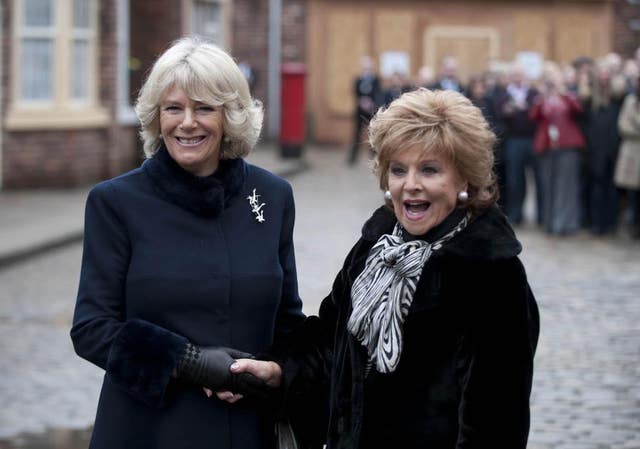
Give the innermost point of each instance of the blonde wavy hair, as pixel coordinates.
(439, 122)
(207, 74)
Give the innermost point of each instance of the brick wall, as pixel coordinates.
(625, 39)
(294, 31)
(153, 26)
(250, 41)
(64, 157)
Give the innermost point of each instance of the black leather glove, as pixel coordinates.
(209, 367)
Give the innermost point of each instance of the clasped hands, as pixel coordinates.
(232, 374)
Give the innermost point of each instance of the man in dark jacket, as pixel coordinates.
(368, 93)
(449, 76)
(513, 111)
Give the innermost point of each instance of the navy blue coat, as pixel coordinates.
(169, 258)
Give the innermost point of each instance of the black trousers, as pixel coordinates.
(362, 120)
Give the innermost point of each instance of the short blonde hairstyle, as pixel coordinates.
(207, 74)
(445, 123)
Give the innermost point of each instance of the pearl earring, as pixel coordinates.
(463, 196)
(387, 195)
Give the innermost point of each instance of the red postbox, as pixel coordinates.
(292, 129)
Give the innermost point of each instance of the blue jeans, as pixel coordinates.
(519, 155)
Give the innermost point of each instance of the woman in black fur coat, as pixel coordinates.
(428, 336)
(185, 257)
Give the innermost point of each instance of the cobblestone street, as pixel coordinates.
(587, 380)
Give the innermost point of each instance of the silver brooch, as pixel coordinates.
(255, 207)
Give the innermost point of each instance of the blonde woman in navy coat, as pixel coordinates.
(185, 257)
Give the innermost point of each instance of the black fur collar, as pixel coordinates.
(488, 236)
(206, 196)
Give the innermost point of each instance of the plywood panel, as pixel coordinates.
(339, 32)
(472, 53)
(531, 32)
(394, 31)
(574, 35)
(347, 41)
(472, 46)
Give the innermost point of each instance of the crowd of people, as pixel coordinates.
(575, 128)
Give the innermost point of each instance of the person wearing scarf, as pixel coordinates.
(428, 336)
(185, 257)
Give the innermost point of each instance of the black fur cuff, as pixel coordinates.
(142, 358)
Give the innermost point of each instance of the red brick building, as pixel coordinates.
(61, 121)
(70, 69)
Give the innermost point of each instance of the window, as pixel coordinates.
(209, 19)
(206, 20)
(81, 41)
(36, 44)
(54, 78)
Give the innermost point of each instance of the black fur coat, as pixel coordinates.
(465, 373)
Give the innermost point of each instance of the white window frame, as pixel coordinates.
(225, 20)
(61, 110)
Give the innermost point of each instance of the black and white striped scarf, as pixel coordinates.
(382, 294)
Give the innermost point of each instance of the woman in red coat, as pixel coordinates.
(558, 142)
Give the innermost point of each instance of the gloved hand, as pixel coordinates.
(209, 367)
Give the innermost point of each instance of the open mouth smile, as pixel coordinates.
(416, 210)
(190, 141)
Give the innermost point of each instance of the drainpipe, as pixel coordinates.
(2, 108)
(125, 115)
(273, 113)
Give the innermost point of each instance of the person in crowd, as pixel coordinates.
(602, 106)
(425, 77)
(483, 97)
(476, 92)
(627, 169)
(397, 86)
(248, 73)
(479, 96)
(570, 78)
(613, 61)
(513, 107)
(368, 93)
(585, 68)
(631, 72)
(558, 142)
(430, 329)
(448, 79)
(496, 91)
(184, 257)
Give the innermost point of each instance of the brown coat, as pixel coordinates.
(627, 172)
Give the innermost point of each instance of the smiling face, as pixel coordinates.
(192, 132)
(424, 189)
